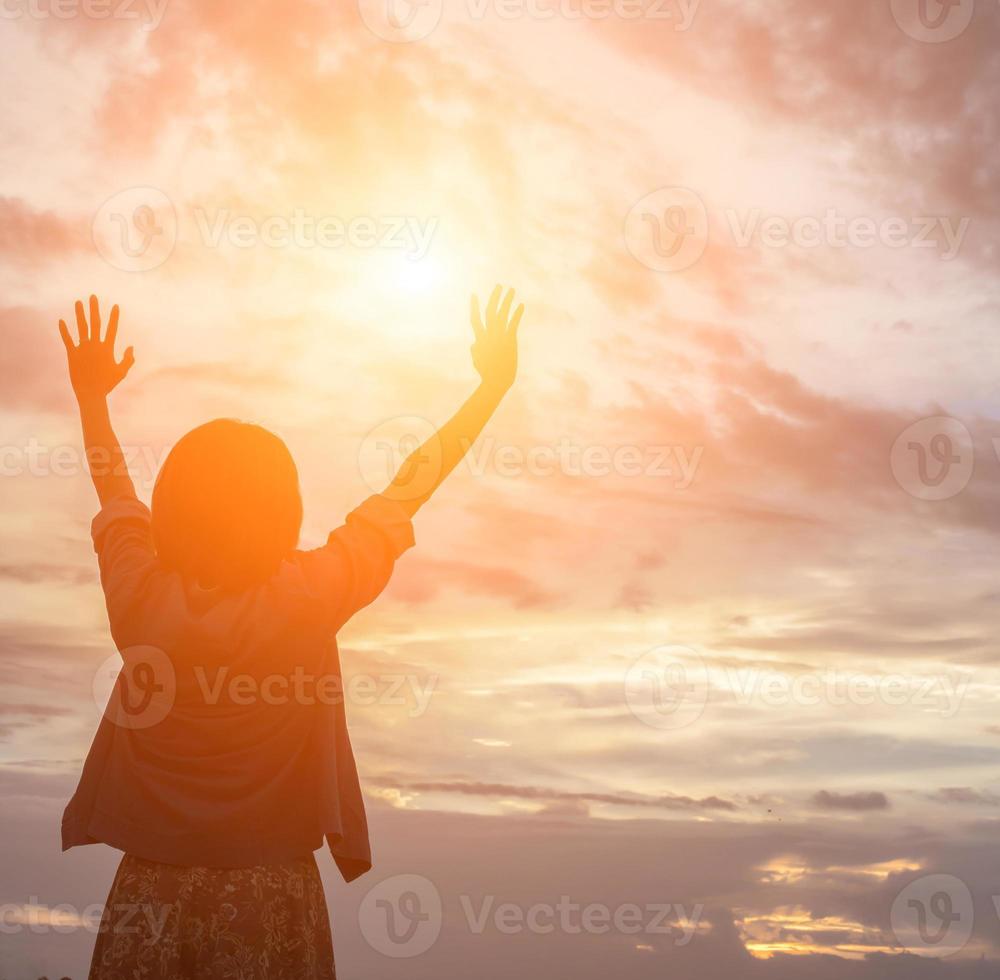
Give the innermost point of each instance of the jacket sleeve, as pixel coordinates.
(124, 545)
(356, 562)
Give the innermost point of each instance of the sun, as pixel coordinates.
(418, 297)
(417, 275)
(419, 292)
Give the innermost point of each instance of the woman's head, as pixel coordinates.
(226, 505)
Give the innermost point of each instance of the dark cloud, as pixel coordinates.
(857, 802)
(965, 794)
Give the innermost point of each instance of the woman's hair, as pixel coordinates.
(226, 505)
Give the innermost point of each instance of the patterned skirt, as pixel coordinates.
(262, 923)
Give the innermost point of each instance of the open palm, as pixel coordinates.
(93, 370)
(494, 352)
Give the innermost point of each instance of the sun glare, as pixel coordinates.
(423, 275)
(398, 293)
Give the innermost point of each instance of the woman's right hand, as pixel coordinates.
(93, 370)
(494, 352)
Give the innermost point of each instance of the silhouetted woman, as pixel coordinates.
(223, 761)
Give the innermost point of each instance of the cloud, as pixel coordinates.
(856, 802)
(32, 362)
(37, 572)
(667, 801)
(965, 795)
(838, 69)
(34, 237)
(424, 579)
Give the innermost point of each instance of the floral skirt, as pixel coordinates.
(262, 923)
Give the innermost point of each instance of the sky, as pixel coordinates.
(703, 628)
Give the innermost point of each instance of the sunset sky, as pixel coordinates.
(757, 246)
